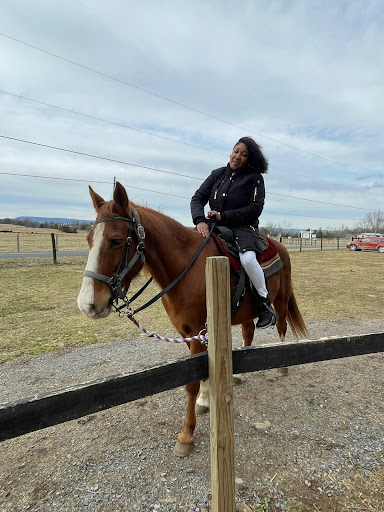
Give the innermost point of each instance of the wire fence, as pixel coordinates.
(42, 242)
(315, 243)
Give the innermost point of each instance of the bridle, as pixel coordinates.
(115, 282)
(125, 265)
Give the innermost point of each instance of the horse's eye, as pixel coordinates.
(116, 242)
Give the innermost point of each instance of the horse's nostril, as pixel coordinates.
(89, 310)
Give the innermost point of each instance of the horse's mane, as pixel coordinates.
(111, 209)
(164, 224)
(152, 220)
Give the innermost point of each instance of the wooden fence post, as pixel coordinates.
(220, 385)
(53, 248)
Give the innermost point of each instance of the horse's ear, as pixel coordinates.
(120, 196)
(97, 200)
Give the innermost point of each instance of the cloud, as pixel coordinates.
(293, 75)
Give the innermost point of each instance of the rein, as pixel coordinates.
(174, 282)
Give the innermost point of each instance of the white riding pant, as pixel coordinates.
(255, 273)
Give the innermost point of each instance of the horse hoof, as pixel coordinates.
(236, 381)
(182, 450)
(282, 372)
(200, 410)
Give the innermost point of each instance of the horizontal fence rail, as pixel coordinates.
(48, 409)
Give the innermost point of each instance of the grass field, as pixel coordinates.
(38, 310)
(15, 228)
(23, 239)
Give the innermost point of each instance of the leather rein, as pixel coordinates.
(125, 264)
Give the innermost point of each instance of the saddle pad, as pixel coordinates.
(269, 260)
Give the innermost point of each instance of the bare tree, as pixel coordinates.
(373, 222)
(271, 229)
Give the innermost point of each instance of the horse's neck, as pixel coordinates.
(167, 254)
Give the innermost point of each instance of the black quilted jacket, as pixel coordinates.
(238, 196)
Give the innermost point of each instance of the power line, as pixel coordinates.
(310, 216)
(89, 181)
(328, 182)
(322, 202)
(157, 192)
(176, 102)
(165, 193)
(172, 140)
(121, 125)
(97, 157)
(161, 170)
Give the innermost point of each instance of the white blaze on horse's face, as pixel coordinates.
(86, 300)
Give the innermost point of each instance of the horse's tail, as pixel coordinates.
(295, 320)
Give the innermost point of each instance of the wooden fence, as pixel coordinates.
(41, 242)
(47, 409)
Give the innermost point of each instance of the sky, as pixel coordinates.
(155, 94)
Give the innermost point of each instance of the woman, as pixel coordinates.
(236, 198)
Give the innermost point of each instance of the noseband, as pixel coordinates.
(125, 264)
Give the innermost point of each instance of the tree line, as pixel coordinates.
(65, 227)
(373, 222)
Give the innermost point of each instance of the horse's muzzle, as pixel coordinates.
(92, 311)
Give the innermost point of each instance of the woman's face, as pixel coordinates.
(239, 156)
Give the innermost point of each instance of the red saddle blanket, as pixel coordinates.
(266, 259)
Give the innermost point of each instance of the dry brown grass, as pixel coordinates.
(338, 284)
(23, 239)
(38, 310)
(15, 228)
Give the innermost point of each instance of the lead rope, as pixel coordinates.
(203, 338)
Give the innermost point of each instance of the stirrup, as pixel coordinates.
(268, 316)
(266, 319)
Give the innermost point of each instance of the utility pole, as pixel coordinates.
(377, 222)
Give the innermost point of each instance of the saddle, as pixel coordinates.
(269, 261)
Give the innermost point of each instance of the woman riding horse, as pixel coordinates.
(236, 196)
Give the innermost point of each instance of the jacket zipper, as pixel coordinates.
(230, 179)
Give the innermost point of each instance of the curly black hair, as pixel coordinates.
(256, 160)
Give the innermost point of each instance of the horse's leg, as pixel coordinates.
(248, 330)
(185, 440)
(202, 402)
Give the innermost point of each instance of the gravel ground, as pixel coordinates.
(305, 438)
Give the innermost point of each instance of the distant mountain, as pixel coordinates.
(56, 220)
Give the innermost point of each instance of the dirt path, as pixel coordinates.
(311, 441)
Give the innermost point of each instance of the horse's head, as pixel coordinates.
(116, 253)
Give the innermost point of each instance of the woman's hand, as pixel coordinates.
(203, 229)
(214, 213)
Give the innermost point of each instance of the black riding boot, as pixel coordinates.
(268, 315)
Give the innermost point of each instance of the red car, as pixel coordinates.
(372, 243)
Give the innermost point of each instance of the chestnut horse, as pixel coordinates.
(169, 246)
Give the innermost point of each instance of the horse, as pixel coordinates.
(142, 237)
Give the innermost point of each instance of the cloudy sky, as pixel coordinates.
(171, 85)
